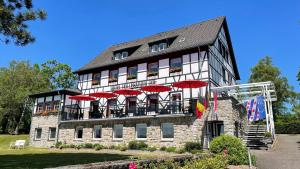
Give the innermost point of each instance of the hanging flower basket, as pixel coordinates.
(173, 70)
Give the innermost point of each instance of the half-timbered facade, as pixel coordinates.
(201, 51)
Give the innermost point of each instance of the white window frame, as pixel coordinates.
(136, 131)
(166, 139)
(49, 133)
(76, 130)
(94, 129)
(35, 133)
(114, 128)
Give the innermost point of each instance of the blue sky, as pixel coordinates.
(76, 31)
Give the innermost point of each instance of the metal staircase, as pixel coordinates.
(254, 136)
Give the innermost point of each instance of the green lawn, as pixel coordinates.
(42, 158)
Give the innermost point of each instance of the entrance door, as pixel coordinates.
(131, 104)
(175, 103)
(111, 107)
(215, 129)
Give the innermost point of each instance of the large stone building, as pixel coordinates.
(201, 52)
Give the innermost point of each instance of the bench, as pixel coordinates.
(18, 144)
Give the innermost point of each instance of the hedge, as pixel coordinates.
(287, 127)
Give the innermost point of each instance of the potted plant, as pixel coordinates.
(268, 138)
(112, 79)
(152, 74)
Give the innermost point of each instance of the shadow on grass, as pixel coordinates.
(55, 159)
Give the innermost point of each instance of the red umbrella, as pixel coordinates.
(127, 92)
(82, 98)
(103, 94)
(156, 88)
(190, 84)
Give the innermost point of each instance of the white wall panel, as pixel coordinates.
(122, 75)
(142, 72)
(164, 68)
(186, 64)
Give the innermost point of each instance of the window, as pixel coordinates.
(97, 133)
(152, 102)
(48, 106)
(224, 75)
(124, 55)
(175, 65)
(96, 79)
(154, 48)
(158, 46)
(162, 46)
(131, 104)
(167, 130)
(52, 133)
(120, 55)
(113, 76)
(40, 108)
(56, 105)
(118, 132)
(132, 72)
(153, 69)
(38, 134)
(141, 131)
(175, 102)
(79, 132)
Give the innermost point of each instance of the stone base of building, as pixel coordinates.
(227, 120)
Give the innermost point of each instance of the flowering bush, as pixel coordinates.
(132, 165)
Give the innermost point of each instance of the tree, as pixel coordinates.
(18, 81)
(21, 79)
(266, 71)
(60, 75)
(298, 76)
(13, 17)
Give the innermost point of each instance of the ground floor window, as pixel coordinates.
(97, 133)
(79, 132)
(141, 131)
(38, 134)
(167, 131)
(118, 132)
(52, 133)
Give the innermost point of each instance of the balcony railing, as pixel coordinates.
(74, 112)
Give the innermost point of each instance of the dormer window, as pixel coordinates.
(124, 53)
(120, 55)
(158, 47)
(161, 45)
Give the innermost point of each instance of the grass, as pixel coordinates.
(42, 157)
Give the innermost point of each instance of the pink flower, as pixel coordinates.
(132, 165)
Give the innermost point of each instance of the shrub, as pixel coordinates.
(292, 127)
(171, 149)
(58, 144)
(87, 145)
(237, 152)
(98, 147)
(123, 148)
(189, 146)
(181, 151)
(196, 151)
(218, 162)
(137, 145)
(268, 134)
(151, 149)
(163, 148)
(78, 147)
(72, 146)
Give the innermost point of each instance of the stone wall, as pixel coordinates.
(186, 128)
(229, 111)
(43, 122)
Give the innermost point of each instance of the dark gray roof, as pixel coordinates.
(56, 92)
(200, 34)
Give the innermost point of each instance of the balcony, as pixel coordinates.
(75, 113)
